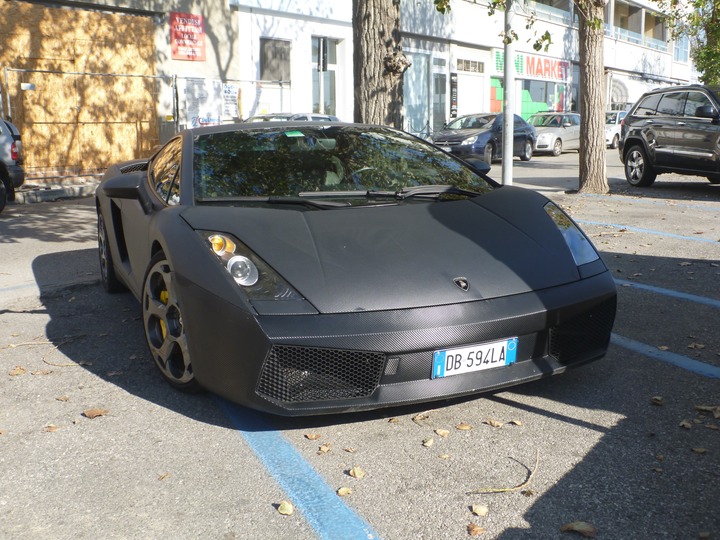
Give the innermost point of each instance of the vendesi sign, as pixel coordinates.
(187, 36)
(533, 66)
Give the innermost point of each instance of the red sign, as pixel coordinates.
(187, 36)
(547, 68)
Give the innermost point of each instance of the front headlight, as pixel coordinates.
(470, 140)
(580, 247)
(544, 138)
(257, 279)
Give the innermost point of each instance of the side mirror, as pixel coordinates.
(122, 187)
(707, 111)
(478, 165)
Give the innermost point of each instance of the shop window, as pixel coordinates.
(274, 60)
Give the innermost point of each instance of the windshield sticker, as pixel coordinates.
(294, 134)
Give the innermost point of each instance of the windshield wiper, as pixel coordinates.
(276, 200)
(432, 192)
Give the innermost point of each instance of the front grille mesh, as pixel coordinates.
(583, 335)
(297, 374)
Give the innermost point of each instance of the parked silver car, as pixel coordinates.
(556, 132)
(613, 123)
(12, 175)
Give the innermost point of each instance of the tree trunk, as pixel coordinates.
(593, 172)
(378, 62)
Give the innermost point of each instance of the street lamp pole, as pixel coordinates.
(508, 97)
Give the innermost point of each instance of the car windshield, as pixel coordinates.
(323, 162)
(471, 122)
(545, 120)
(611, 118)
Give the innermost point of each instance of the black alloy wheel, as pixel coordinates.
(108, 279)
(163, 324)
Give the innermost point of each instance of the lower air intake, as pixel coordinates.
(301, 374)
(585, 335)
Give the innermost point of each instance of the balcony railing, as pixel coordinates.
(628, 35)
(549, 13)
(657, 44)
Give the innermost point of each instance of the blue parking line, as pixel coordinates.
(669, 292)
(304, 487)
(695, 366)
(649, 231)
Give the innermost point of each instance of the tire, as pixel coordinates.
(3, 196)
(489, 153)
(615, 142)
(638, 171)
(163, 324)
(109, 280)
(714, 179)
(527, 151)
(557, 148)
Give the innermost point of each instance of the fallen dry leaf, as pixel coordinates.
(285, 508)
(479, 510)
(685, 263)
(715, 410)
(393, 420)
(700, 450)
(493, 423)
(324, 448)
(696, 346)
(357, 472)
(463, 426)
(582, 527)
(349, 450)
(427, 443)
(41, 372)
(656, 400)
(663, 347)
(712, 426)
(444, 456)
(344, 491)
(94, 413)
(515, 422)
(474, 529)
(527, 493)
(17, 371)
(685, 424)
(51, 428)
(313, 436)
(62, 398)
(442, 432)
(163, 476)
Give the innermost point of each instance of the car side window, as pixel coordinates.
(695, 100)
(164, 174)
(648, 106)
(672, 104)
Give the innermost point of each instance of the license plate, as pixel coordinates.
(474, 358)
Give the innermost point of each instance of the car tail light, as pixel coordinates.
(14, 152)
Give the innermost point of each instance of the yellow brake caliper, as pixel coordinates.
(164, 296)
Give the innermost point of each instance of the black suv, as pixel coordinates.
(674, 129)
(12, 175)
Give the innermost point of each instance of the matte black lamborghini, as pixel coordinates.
(307, 268)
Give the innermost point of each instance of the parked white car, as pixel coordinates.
(613, 121)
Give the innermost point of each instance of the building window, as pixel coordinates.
(682, 49)
(324, 67)
(471, 66)
(274, 60)
(627, 22)
(655, 34)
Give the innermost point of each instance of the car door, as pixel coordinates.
(521, 133)
(697, 139)
(571, 131)
(666, 126)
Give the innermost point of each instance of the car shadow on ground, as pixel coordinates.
(640, 475)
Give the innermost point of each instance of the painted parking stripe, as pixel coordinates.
(669, 292)
(649, 231)
(695, 366)
(304, 487)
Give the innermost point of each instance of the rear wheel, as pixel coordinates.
(557, 147)
(3, 196)
(527, 151)
(638, 171)
(164, 329)
(107, 269)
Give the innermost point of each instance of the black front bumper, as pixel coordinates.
(319, 364)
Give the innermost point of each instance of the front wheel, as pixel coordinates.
(557, 148)
(527, 151)
(164, 328)
(489, 153)
(615, 142)
(638, 171)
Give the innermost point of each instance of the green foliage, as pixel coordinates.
(699, 21)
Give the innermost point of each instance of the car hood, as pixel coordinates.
(452, 135)
(404, 256)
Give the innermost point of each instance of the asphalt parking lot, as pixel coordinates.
(93, 444)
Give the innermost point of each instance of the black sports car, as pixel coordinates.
(307, 268)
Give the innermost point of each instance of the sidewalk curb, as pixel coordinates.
(54, 193)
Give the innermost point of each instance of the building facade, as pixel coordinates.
(94, 81)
